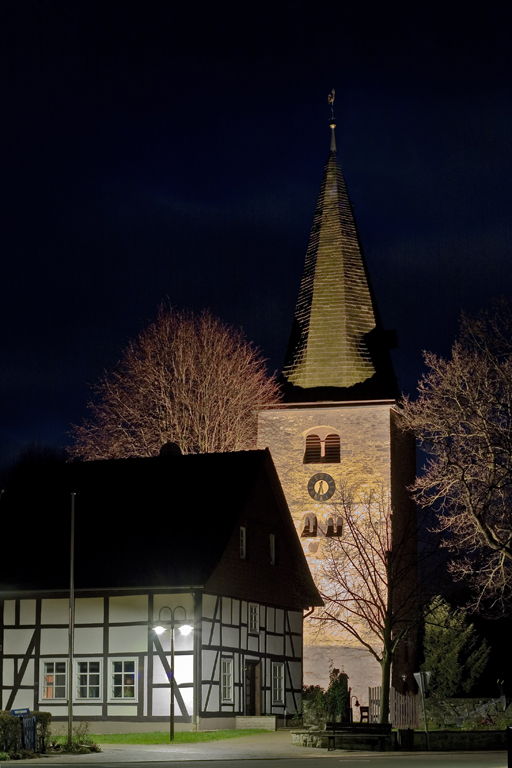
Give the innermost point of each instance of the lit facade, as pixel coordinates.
(154, 536)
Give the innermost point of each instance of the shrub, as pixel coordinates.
(4, 756)
(10, 731)
(43, 729)
(82, 743)
(336, 697)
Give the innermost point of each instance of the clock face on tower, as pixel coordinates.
(321, 487)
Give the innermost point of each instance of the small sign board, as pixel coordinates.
(20, 712)
(422, 680)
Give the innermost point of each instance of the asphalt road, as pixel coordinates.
(441, 760)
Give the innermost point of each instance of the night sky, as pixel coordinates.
(160, 151)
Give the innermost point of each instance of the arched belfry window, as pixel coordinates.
(332, 449)
(313, 453)
(310, 526)
(322, 447)
(333, 527)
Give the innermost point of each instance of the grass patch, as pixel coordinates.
(180, 737)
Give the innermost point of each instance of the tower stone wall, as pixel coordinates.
(375, 458)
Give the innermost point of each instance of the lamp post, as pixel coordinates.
(184, 629)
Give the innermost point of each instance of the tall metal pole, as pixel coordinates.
(172, 676)
(71, 629)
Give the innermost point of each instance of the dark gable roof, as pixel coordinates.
(149, 522)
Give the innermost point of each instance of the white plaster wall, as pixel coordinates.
(127, 639)
(275, 644)
(128, 608)
(230, 637)
(55, 611)
(295, 619)
(88, 640)
(187, 694)
(226, 610)
(54, 642)
(8, 671)
(22, 699)
(183, 669)
(16, 641)
(253, 643)
(295, 673)
(208, 663)
(27, 611)
(28, 677)
(207, 629)
(213, 703)
(9, 612)
(209, 603)
(89, 610)
(185, 600)
(89, 710)
(293, 646)
(116, 710)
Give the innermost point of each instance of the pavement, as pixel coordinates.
(263, 746)
(274, 745)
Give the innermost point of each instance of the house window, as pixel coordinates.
(254, 618)
(322, 448)
(310, 526)
(227, 681)
(88, 680)
(272, 549)
(277, 683)
(55, 680)
(122, 679)
(243, 542)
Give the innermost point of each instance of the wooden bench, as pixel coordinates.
(375, 733)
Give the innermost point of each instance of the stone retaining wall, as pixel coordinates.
(440, 741)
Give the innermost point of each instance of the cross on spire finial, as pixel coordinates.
(330, 101)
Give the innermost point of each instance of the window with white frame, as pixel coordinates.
(88, 679)
(55, 679)
(227, 681)
(277, 682)
(123, 679)
(243, 542)
(254, 618)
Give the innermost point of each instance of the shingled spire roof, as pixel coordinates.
(337, 349)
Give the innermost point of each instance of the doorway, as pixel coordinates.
(252, 684)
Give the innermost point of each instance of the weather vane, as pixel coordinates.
(330, 101)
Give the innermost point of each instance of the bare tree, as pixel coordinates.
(187, 379)
(463, 420)
(368, 579)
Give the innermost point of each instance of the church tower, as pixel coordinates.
(335, 432)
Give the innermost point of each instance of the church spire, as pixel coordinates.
(337, 349)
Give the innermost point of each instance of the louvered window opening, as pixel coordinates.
(310, 526)
(322, 451)
(333, 527)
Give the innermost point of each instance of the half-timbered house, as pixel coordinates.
(202, 540)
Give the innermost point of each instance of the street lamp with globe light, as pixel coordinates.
(184, 629)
